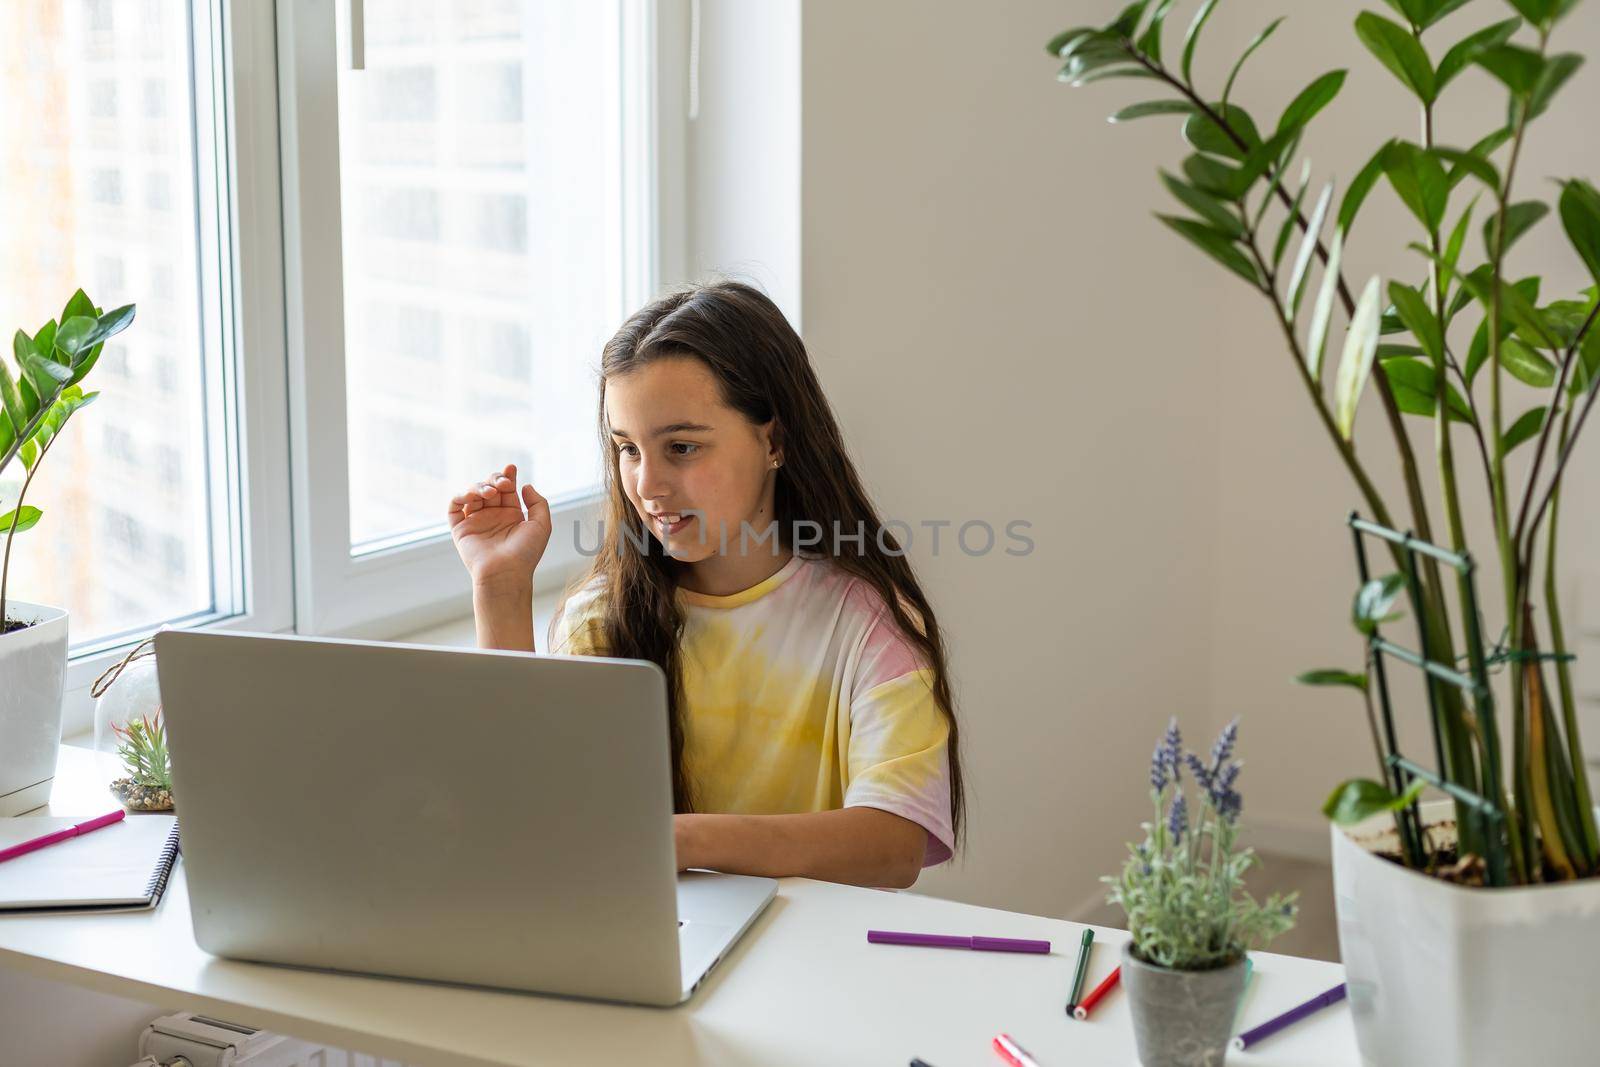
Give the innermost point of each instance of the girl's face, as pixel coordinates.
(680, 448)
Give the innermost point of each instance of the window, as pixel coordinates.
(493, 174)
(98, 502)
(118, 179)
(495, 166)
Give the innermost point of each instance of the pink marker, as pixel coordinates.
(65, 834)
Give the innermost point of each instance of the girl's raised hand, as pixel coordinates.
(496, 538)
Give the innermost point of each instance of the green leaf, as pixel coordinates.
(24, 518)
(1580, 217)
(79, 304)
(1396, 49)
(1332, 676)
(1361, 798)
(1516, 301)
(1556, 72)
(1526, 365)
(1586, 372)
(1355, 365)
(1520, 218)
(1419, 319)
(1128, 21)
(1150, 40)
(1374, 603)
(1527, 426)
(1413, 11)
(1091, 54)
(1204, 135)
(11, 399)
(1308, 247)
(1152, 107)
(1205, 205)
(1517, 68)
(72, 398)
(1286, 227)
(47, 376)
(1214, 177)
(1057, 45)
(1452, 256)
(112, 323)
(1465, 163)
(1538, 12)
(1255, 42)
(1215, 244)
(37, 380)
(44, 342)
(1478, 352)
(1415, 387)
(1192, 38)
(1361, 186)
(73, 338)
(1562, 320)
(1322, 311)
(1420, 182)
(1312, 99)
(1132, 71)
(1461, 55)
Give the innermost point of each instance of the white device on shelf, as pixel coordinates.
(206, 1042)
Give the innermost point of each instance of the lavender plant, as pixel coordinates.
(1183, 887)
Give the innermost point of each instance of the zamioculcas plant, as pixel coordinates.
(1496, 364)
(37, 400)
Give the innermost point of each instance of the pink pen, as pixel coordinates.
(65, 834)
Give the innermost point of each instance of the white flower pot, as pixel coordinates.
(33, 675)
(1441, 973)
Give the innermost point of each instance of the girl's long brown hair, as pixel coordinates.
(764, 373)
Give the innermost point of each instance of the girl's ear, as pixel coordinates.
(772, 432)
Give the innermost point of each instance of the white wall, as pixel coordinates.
(1005, 333)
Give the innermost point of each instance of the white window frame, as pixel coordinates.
(418, 582)
(281, 546)
(248, 449)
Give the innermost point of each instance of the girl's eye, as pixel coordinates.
(624, 449)
(687, 445)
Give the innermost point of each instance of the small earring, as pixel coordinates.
(775, 464)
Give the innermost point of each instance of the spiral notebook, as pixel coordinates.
(123, 867)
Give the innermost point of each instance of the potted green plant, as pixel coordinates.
(36, 400)
(1189, 915)
(1438, 971)
(142, 746)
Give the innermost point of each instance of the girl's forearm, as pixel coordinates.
(856, 846)
(504, 615)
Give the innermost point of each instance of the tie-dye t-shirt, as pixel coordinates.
(802, 694)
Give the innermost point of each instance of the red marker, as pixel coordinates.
(60, 835)
(1012, 1052)
(1107, 985)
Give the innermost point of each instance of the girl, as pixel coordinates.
(812, 725)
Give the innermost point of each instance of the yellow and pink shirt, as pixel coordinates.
(801, 694)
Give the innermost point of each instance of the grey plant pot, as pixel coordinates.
(1181, 1018)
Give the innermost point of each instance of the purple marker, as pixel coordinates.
(1290, 1017)
(982, 944)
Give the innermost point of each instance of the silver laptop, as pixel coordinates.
(492, 818)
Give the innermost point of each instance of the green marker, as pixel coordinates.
(1083, 968)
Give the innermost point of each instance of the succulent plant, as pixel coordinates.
(143, 748)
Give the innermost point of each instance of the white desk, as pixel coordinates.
(802, 987)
